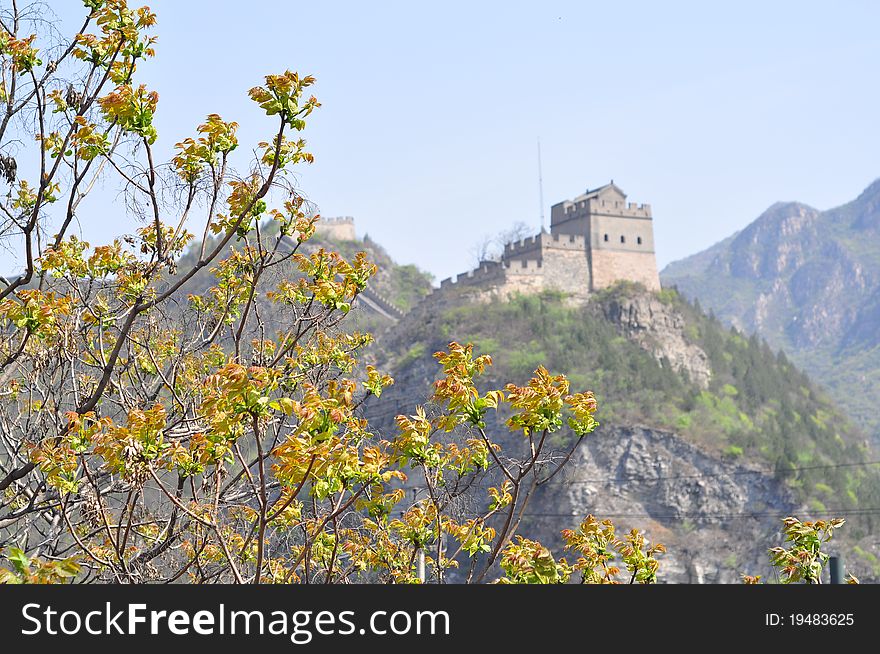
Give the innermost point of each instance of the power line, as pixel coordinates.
(706, 475)
(565, 482)
(710, 475)
(675, 516)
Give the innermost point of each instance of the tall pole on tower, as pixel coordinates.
(540, 186)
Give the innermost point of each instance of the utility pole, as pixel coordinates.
(837, 569)
(540, 186)
(420, 555)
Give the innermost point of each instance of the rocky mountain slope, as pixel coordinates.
(395, 287)
(715, 517)
(708, 438)
(807, 281)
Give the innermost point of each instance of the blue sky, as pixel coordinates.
(431, 111)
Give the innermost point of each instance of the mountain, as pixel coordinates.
(808, 282)
(707, 436)
(393, 290)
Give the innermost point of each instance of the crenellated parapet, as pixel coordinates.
(534, 246)
(595, 240)
(570, 209)
(529, 245)
(524, 267)
(486, 272)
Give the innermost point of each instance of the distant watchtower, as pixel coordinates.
(619, 236)
(338, 229)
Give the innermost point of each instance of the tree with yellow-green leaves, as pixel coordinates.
(149, 433)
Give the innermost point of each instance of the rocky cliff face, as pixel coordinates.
(808, 281)
(657, 328)
(716, 506)
(715, 517)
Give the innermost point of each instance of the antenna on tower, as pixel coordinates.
(540, 186)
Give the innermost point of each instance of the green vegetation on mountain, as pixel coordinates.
(758, 408)
(808, 282)
(402, 285)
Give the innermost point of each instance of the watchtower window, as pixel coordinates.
(623, 239)
(639, 240)
(606, 238)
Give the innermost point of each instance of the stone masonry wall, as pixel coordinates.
(567, 270)
(637, 233)
(339, 229)
(517, 282)
(595, 240)
(490, 273)
(609, 266)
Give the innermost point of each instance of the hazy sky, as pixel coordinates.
(431, 111)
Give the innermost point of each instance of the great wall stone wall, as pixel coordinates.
(595, 240)
(338, 229)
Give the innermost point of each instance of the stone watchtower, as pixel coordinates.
(338, 229)
(595, 240)
(619, 236)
